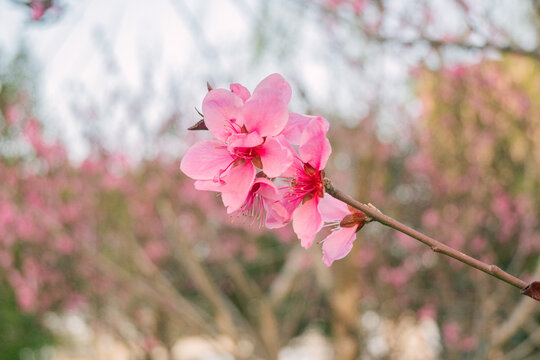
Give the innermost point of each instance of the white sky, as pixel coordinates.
(108, 53)
(109, 64)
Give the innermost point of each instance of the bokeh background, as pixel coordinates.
(108, 252)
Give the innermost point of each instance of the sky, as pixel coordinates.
(109, 64)
(103, 60)
(120, 67)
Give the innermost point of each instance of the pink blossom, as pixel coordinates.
(295, 127)
(347, 221)
(263, 204)
(38, 9)
(246, 128)
(305, 178)
(451, 333)
(358, 6)
(12, 114)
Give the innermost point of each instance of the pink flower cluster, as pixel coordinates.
(269, 164)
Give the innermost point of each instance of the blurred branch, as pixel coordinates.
(202, 278)
(197, 31)
(519, 316)
(525, 347)
(161, 295)
(283, 283)
(263, 309)
(437, 44)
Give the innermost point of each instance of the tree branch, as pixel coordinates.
(435, 245)
(437, 43)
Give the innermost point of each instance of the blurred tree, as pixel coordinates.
(19, 329)
(478, 154)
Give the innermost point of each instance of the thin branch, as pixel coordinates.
(264, 314)
(435, 245)
(200, 275)
(436, 43)
(162, 295)
(283, 283)
(525, 347)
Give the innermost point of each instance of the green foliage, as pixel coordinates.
(18, 330)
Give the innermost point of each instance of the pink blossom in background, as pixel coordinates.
(427, 312)
(12, 114)
(395, 276)
(407, 242)
(357, 6)
(38, 9)
(51, 153)
(469, 343)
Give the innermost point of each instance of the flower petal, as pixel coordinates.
(244, 140)
(333, 209)
(307, 221)
(221, 108)
(277, 83)
(314, 147)
(265, 112)
(240, 91)
(276, 215)
(208, 185)
(275, 157)
(295, 126)
(267, 189)
(205, 159)
(338, 244)
(238, 181)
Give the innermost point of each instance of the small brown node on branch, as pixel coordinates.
(328, 187)
(532, 290)
(208, 86)
(369, 218)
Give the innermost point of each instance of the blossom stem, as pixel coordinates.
(435, 245)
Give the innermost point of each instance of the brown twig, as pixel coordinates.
(435, 245)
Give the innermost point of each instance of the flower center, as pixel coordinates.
(306, 184)
(246, 153)
(253, 207)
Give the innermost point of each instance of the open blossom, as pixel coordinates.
(258, 140)
(263, 204)
(346, 221)
(305, 178)
(247, 129)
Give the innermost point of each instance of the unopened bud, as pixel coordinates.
(354, 219)
(532, 290)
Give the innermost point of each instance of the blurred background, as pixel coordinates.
(108, 252)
